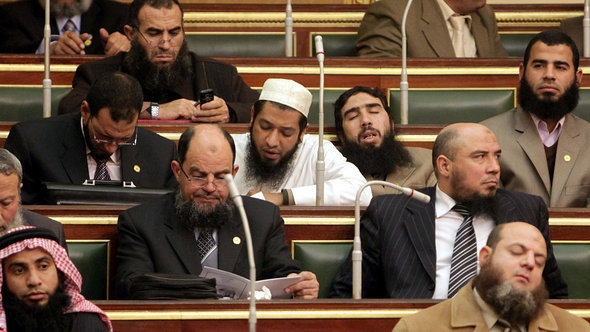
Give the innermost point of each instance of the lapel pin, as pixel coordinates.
(88, 41)
(136, 168)
(567, 157)
(237, 240)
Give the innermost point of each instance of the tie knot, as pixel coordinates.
(99, 159)
(462, 210)
(458, 21)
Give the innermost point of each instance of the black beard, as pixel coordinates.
(517, 307)
(546, 109)
(193, 216)
(482, 206)
(157, 81)
(50, 317)
(377, 161)
(264, 173)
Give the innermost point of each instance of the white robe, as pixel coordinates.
(342, 179)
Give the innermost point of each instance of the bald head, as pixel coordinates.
(211, 136)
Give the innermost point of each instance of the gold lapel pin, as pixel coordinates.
(567, 157)
(237, 240)
(88, 41)
(136, 168)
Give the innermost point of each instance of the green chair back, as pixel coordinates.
(237, 44)
(20, 103)
(91, 259)
(573, 260)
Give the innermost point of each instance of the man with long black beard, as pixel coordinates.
(77, 27)
(508, 294)
(278, 159)
(417, 250)
(199, 226)
(365, 128)
(546, 148)
(171, 76)
(41, 286)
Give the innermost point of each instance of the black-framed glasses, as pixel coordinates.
(198, 182)
(157, 41)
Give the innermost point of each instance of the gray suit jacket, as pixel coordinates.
(37, 220)
(152, 239)
(399, 251)
(428, 37)
(523, 166)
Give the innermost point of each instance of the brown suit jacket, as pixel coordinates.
(417, 175)
(462, 313)
(428, 37)
(523, 166)
(573, 27)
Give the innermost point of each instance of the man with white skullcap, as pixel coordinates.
(41, 286)
(278, 160)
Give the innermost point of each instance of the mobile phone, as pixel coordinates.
(205, 96)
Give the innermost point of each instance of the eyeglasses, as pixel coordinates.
(118, 142)
(157, 41)
(199, 182)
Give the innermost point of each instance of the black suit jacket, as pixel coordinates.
(53, 150)
(22, 23)
(207, 73)
(398, 240)
(152, 239)
(34, 219)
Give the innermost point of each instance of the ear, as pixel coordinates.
(235, 171)
(175, 165)
(444, 166)
(484, 254)
(85, 110)
(579, 76)
(520, 71)
(303, 132)
(251, 115)
(129, 31)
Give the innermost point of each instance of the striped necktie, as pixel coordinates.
(69, 26)
(102, 172)
(464, 259)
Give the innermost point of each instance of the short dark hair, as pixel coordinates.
(119, 92)
(136, 6)
(187, 136)
(339, 103)
(259, 104)
(444, 145)
(495, 236)
(552, 38)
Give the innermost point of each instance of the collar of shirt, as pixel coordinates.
(448, 12)
(443, 203)
(113, 158)
(548, 138)
(61, 21)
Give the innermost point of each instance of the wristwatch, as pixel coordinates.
(154, 109)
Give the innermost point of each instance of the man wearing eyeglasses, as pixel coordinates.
(171, 76)
(198, 225)
(100, 142)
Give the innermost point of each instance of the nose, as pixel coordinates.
(210, 187)
(549, 72)
(528, 260)
(494, 165)
(366, 119)
(165, 42)
(111, 147)
(272, 139)
(33, 280)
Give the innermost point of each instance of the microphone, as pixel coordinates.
(320, 166)
(403, 85)
(235, 195)
(586, 24)
(289, 30)
(357, 254)
(47, 79)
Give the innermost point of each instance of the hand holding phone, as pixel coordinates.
(205, 96)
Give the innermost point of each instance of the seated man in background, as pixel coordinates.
(100, 142)
(365, 128)
(546, 148)
(417, 250)
(435, 29)
(199, 226)
(41, 286)
(171, 76)
(77, 27)
(12, 215)
(508, 294)
(278, 160)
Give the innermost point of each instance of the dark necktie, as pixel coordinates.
(69, 26)
(464, 259)
(102, 172)
(205, 243)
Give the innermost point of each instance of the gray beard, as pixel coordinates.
(67, 10)
(18, 221)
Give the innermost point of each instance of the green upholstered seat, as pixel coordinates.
(583, 108)
(444, 106)
(19, 103)
(573, 260)
(335, 44)
(515, 43)
(91, 259)
(235, 44)
(323, 259)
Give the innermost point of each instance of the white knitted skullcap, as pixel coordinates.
(288, 93)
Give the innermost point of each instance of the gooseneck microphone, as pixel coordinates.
(289, 30)
(403, 85)
(235, 195)
(320, 166)
(47, 79)
(357, 254)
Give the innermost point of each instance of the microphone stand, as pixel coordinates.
(586, 24)
(320, 166)
(235, 195)
(357, 254)
(47, 79)
(403, 85)
(289, 30)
